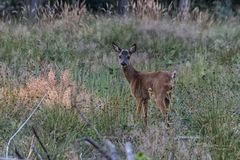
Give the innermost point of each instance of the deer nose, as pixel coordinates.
(123, 64)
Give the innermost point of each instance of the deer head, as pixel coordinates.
(124, 55)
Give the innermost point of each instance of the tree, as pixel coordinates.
(34, 5)
(184, 6)
(122, 7)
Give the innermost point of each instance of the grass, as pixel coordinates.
(205, 102)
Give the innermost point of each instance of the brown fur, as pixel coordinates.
(146, 85)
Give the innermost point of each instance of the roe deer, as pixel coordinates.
(156, 85)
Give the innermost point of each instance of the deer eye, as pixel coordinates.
(120, 56)
(128, 57)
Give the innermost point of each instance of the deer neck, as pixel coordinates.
(130, 72)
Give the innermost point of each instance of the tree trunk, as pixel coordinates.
(122, 7)
(184, 6)
(34, 5)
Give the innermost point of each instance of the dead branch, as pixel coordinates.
(23, 124)
(40, 142)
(18, 154)
(98, 148)
(36, 152)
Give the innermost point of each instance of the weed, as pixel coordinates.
(71, 60)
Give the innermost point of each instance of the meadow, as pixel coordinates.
(71, 60)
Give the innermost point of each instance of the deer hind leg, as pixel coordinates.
(145, 110)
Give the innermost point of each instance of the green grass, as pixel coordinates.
(205, 101)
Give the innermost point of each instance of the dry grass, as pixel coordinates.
(83, 45)
(146, 9)
(58, 93)
(61, 93)
(158, 143)
(89, 102)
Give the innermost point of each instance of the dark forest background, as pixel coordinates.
(222, 9)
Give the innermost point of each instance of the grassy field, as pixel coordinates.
(73, 57)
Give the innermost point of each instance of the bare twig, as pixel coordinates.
(10, 158)
(97, 147)
(18, 154)
(182, 138)
(30, 150)
(23, 124)
(40, 142)
(77, 149)
(36, 152)
(80, 156)
(209, 157)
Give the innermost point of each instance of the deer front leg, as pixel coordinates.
(168, 98)
(139, 108)
(160, 102)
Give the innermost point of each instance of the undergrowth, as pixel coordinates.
(205, 100)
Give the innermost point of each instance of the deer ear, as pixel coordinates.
(133, 48)
(116, 48)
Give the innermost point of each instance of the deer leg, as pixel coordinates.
(139, 108)
(168, 98)
(145, 109)
(167, 102)
(161, 103)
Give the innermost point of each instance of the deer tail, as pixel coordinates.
(174, 75)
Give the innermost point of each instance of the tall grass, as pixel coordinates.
(205, 101)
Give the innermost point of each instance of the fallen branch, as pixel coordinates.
(40, 142)
(98, 148)
(18, 154)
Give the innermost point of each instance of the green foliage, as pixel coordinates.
(142, 156)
